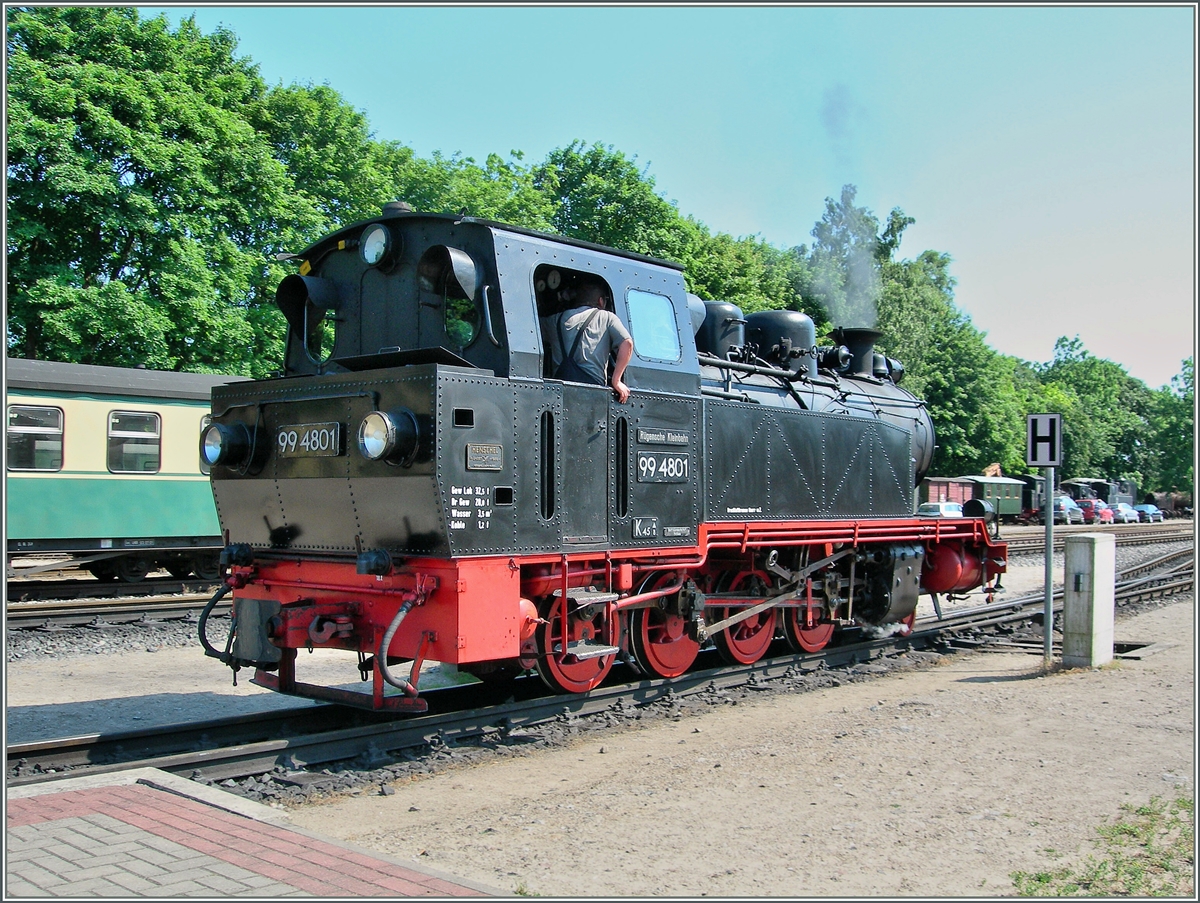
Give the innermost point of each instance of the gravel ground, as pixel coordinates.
(74, 642)
(921, 776)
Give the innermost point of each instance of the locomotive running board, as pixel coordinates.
(406, 704)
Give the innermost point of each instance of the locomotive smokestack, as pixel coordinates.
(861, 342)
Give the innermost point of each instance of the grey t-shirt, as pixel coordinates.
(605, 333)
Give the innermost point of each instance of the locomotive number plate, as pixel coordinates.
(308, 440)
(662, 467)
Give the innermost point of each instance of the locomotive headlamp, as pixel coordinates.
(375, 244)
(226, 444)
(377, 436)
(389, 436)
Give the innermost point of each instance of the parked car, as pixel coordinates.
(1148, 514)
(1123, 513)
(1095, 511)
(1066, 511)
(1091, 509)
(940, 509)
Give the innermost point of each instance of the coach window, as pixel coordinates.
(133, 442)
(204, 422)
(652, 320)
(35, 438)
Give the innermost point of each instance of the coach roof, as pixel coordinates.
(52, 376)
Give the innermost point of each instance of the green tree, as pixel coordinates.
(1105, 436)
(604, 198)
(1173, 433)
(143, 204)
(504, 190)
(969, 387)
(847, 256)
(327, 148)
(747, 272)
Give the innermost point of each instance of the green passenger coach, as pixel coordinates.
(102, 464)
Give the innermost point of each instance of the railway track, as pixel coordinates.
(287, 742)
(1032, 540)
(33, 590)
(186, 602)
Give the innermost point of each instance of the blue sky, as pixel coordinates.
(1049, 150)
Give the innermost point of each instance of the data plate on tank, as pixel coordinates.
(309, 440)
(485, 457)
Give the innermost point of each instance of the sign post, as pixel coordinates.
(1043, 448)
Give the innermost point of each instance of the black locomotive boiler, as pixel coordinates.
(415, 487)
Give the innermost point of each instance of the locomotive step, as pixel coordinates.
(583, 595)
(584, 650)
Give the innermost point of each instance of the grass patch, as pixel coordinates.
(1147, 852)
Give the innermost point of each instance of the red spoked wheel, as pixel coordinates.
(905, 627)
(571, 676)
(803, 636)
(658, 638)
(747, 641)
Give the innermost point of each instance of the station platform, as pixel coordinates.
(148, 833)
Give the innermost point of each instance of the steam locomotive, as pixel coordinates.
(416, 487)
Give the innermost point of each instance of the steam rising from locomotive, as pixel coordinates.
(416, 486)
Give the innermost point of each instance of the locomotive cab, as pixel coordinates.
(410, 288)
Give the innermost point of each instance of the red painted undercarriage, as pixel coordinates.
(740, 587)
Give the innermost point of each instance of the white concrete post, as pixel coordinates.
(1089, 576)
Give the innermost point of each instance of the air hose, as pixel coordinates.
(381, 653)
(209, 650)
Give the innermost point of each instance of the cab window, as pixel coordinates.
(134, 442)
(451, 275)
(652, 322)
(35, 438)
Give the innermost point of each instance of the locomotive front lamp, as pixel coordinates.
(375, 245)
(226, 444)
(389, 436)
(376, 436)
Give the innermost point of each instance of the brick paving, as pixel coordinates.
(134, 839)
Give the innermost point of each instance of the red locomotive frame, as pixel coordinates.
(508, 609)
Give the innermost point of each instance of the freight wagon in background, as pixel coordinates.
(1005, 494)
(103, 471)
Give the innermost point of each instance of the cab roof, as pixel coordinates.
(354, 229)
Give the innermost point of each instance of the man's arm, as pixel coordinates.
(624, 355)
